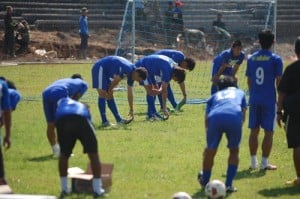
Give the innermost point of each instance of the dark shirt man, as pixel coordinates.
(9, 38)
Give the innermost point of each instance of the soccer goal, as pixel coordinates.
(206, 28)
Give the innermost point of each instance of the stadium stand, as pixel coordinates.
(63, 14)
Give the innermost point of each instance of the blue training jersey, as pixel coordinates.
(4, 97)
(14, 97)
(262, 69)
(176, 55)
(72, 86)
(227, 57)
(68, 106)
(158, 66)
(227, 101)
(83, 23)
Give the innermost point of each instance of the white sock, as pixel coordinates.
(97, 185)
(64, 184)
(264, 161)
(55, 147)
(253, 161)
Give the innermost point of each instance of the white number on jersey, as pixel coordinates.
(227, 94)
(259, 73)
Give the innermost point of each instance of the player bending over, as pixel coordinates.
(227, 63)
(183, 62)
(106, 74)
(225, 112)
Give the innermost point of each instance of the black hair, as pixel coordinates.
(142, 72)
(190, 63)
(297, 46)
(226, 81)
(266, 39)
(76, 76)
(179, 73)
(236, 43)
(10, 84)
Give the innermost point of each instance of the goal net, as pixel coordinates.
(207, 28)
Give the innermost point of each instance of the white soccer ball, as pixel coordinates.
(215, 189)
(181, 195)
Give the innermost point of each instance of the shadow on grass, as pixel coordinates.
(279, 191)
(248, 173)
(199, 194)
(42, 158)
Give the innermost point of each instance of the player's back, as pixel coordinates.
(262, 68)
(155, 64)
(114, 65)
(176, 55)
(229, 101)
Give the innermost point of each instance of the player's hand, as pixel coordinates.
(6, 142)
(183, 101)
(279, 119)
(166, 114)
(131, 115)
(110, 94)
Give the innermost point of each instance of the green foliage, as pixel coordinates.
(152, 159)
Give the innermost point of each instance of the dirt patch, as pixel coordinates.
(103, 43)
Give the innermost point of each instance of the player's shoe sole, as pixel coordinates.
(268, 167)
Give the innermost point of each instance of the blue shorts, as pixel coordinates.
(50, 99)
(99, 79)
(262, 116)
(231, 125)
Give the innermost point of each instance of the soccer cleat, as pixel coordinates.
(179, 106)
(105, 124)
(124, 121)
(63, 194)
(295, 182)
(253, 167)
(268, 167)
(231, 189)
(99, 195)
(200, 179)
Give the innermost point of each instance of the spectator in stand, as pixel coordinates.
(169, 23)
(9, 38)
(22, 36)
(84, 33)
(222, 37)
(178, 19)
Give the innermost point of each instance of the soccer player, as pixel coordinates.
(161, 69)
(288, 104)
(225, 112)
(106, 74)
(183, 62)
(264, 69)
(5, 112)
(73, 122)
(74, 88)
(227, 63)
(14, 94)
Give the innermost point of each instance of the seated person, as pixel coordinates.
(222, 36)
(22, 36)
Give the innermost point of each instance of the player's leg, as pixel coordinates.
(151, 110)
(49, 111)
(213, 137)
(2, 173)
(254, 115)
(292, 125)
(233, 129)
(87, 137)
(100, 83)
(267, 123)
(171, 98)
(65, 128)
(111, 103)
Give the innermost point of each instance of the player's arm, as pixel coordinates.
(244, 114)
(7, 125)
(182, 88)
(235, 70)
(277, 81)
(164, 95)
(130, 100)
(220, 71)
(113, 84)
(281, 96)
(249, 83)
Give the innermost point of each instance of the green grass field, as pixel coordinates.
(152, 159)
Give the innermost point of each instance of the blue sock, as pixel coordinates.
(206, 176)
(231, 171)
(171, 97)
(151, 105)
(113, 107)
(101, 107)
